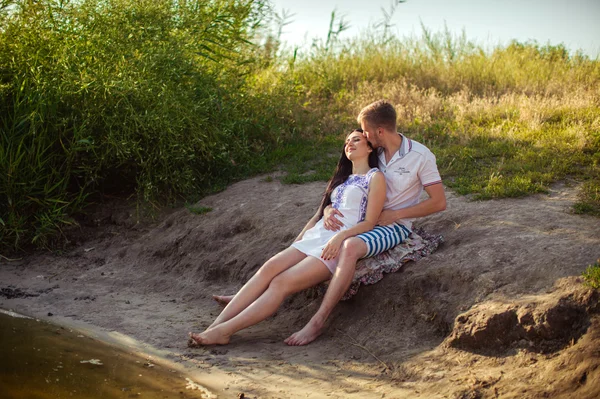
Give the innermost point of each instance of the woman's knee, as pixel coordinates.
(354, 248)
(269, 269)
(281, 284)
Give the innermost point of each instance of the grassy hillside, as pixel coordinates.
(169, 100)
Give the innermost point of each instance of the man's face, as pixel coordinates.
(371, 133)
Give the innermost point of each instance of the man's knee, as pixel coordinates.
(353, 248)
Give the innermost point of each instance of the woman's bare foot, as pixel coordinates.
(308, 334)
(208, 337)
(223, 300)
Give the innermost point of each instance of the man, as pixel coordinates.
(409, 168)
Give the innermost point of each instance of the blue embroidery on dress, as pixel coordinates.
(363, 208)
(363, 203)
(339, 194)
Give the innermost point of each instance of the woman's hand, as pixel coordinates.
(332, 248)
(330, 220)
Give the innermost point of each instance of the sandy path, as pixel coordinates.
(153, 282)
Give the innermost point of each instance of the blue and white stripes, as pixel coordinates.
(382, 238)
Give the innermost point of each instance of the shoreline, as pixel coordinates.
(133, 347)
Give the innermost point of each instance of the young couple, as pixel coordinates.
(367, 208)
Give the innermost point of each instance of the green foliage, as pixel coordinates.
(502, 123)
(314, 161)
(589, 199)
(175, 99)
(113, 95)
(198, 210)
(592, 275)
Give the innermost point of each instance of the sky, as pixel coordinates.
(574, 23)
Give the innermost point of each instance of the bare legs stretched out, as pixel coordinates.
(259, 283)
(352, 250)
(235, 317)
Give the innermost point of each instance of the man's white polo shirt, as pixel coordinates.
(411, 169)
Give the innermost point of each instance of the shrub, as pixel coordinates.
(592, 275)
(120, 95)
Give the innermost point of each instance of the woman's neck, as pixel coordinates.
(360, 167)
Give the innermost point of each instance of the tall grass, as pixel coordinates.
(120, 95)
(507, 122)
(170, 99)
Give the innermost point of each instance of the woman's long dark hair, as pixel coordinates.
(342, 171)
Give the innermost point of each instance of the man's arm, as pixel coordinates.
(435, 203)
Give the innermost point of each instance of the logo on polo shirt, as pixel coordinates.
(401, 170)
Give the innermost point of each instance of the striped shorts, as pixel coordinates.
(382, 238)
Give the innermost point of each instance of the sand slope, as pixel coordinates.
(497, 311)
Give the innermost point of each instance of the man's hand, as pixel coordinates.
(387, 217)
(330, 220)
(332, 248)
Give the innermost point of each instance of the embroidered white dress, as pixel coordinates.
(350, 198)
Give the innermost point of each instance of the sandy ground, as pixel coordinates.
(497, 311)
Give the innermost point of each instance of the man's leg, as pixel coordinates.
(352, 250)
(368, 244)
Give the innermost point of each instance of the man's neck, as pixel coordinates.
(391, 145)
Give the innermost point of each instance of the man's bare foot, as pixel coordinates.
(208, 337)
(223, 300)
(308, 334)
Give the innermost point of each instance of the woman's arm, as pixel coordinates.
(375, 202)
(311, 223)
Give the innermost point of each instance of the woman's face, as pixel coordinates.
(356, 146)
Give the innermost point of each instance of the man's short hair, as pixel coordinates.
(379, 114)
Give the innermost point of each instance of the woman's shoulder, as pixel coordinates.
(375, 175)
(373, 172)
(376, 181)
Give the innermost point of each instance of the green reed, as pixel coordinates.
(117, 95)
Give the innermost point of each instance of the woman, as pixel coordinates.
(357, 188)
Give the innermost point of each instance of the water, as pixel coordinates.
(39, 360)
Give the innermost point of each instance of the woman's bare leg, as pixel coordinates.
(259, 283)
(353, 249)
(307, 273)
